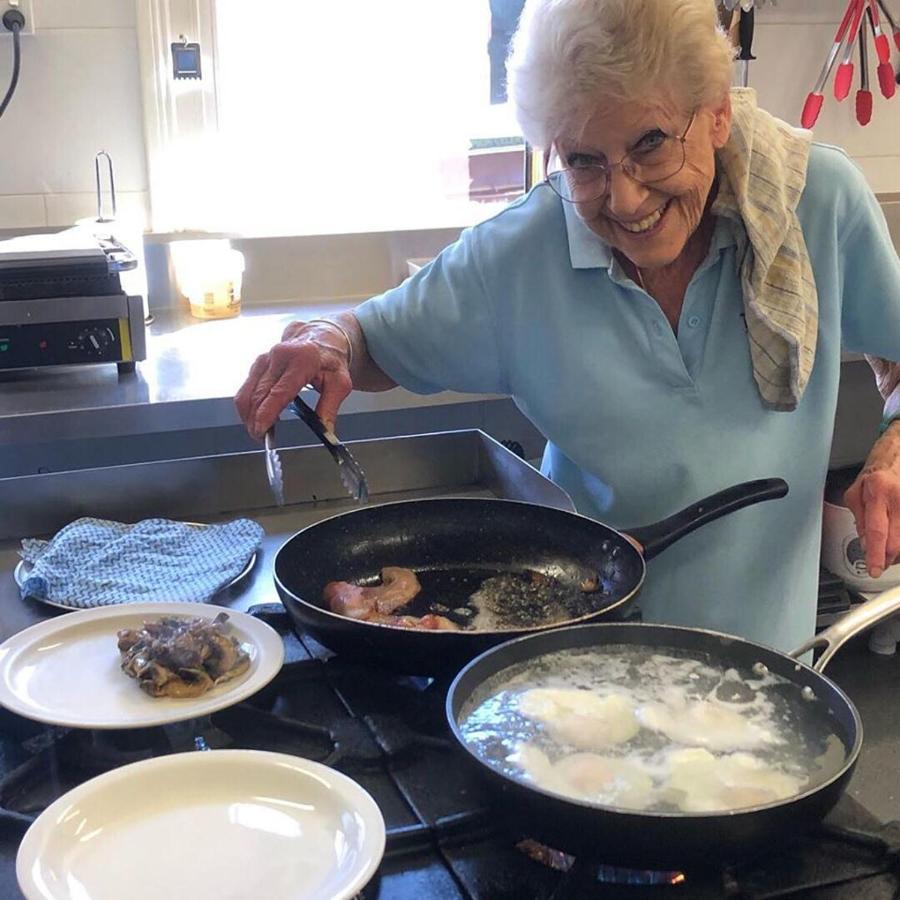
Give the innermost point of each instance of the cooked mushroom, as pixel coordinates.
(181, 657)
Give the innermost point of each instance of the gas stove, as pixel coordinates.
(388, 733)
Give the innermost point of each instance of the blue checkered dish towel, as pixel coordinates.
(94, 562)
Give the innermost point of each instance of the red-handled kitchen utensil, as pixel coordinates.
(883, 48)
(863, 95)
(844, 77)
(813, 105)
(891, 21)
(886, 80)
(812, 108)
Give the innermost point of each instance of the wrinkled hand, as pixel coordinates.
(874, 500)
(307, 354)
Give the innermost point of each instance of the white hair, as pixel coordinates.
(570, 55)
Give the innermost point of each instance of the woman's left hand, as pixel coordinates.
(874, 500)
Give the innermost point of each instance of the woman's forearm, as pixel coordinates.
(885, 452)
(365, 372)
(335, 332)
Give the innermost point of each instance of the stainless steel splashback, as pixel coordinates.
(208, 487)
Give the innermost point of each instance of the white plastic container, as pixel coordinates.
(209, 275)
(843, 555)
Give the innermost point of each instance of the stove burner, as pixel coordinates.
(597, 872)
(617, 875)
(834, 861)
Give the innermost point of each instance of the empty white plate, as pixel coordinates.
(217, 825)
(65, 671)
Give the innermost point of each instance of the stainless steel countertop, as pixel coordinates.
(187, 382)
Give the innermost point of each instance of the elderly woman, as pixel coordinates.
(668, 308)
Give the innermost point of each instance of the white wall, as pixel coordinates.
(79, 92)
(791, 44)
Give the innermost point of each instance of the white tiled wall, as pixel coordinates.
(791, 43)
(79, 92)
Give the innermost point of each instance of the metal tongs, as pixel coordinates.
(273, 468)
(352, 474)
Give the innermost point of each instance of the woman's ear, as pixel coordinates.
(721, 128)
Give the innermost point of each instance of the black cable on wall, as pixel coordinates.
(13, 21)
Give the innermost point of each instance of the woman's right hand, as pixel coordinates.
(316, 354)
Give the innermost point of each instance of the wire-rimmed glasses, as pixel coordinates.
(583, 178)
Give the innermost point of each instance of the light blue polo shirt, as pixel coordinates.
(641, 422)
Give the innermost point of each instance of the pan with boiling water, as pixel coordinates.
(667, 838)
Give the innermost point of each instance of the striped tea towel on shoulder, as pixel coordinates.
(762, 173)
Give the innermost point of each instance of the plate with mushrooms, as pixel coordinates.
(137, 666)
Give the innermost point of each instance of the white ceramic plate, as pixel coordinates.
(219, 825)
(65, 671)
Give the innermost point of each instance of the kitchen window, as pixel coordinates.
(315, 117)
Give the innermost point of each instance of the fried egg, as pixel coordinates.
(581, 719)
(588, 776)
(704, 723)
(699, 781)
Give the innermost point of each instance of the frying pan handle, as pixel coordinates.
(655, 538)
(862, 617)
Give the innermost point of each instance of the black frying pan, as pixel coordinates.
(673, 840)
(453, 545)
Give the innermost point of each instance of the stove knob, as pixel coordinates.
(94, 341)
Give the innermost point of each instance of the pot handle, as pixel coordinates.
(855, 622)
(655, 538)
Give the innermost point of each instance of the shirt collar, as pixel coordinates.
(588, 251)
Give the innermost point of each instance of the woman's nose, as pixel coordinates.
(625, 196)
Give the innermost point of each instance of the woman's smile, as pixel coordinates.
(646, 226)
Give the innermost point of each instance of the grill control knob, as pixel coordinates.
(95, 341)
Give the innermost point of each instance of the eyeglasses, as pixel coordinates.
(584, 179)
